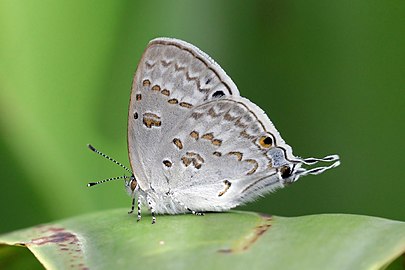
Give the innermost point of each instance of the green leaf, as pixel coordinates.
(233, 240)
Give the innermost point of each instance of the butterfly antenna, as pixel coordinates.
(318, 170)
(312, 161)
(107, 180)
(109, 158)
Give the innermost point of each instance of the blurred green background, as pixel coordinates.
(330, 74)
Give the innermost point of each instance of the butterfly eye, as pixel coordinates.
(133, 184)
(285, 172)
(266, 141)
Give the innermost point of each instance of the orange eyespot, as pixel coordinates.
(266, 141)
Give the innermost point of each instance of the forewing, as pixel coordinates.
(172, 78)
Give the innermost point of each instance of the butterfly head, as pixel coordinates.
(287, 173)
(131, 185)
(290, 168)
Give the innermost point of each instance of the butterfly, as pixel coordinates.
(195, 145)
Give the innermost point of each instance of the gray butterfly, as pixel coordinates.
(195, 145)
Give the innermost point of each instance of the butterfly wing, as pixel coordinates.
(172, 78)
(223, 153)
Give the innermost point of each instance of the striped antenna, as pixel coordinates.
(107, 180)
(312, 161)
(109, 158)
(317, 170)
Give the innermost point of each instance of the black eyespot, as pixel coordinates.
(265, 141)
(218, 94)
(136, 115)
(268, 140)
(285, 172)
(167, 163)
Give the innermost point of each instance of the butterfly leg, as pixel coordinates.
(132, 206)
(152, 209)
(139, 209)
(153, 216)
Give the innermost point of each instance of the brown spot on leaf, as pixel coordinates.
(247, 241)
(66, 243)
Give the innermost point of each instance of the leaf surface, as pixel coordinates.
(234, 240)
